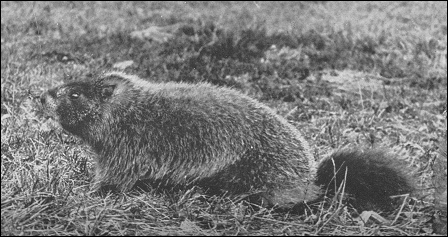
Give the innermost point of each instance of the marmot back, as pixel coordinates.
(178, 134)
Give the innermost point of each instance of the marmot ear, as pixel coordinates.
(107, 91)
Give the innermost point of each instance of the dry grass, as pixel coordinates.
(374, 75)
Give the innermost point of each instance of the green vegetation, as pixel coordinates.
(365, 74)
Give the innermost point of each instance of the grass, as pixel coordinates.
(346, 74)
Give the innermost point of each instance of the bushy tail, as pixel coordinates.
(372, 177)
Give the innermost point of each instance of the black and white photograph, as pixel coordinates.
(216, 118)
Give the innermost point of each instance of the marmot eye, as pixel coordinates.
(74, 95)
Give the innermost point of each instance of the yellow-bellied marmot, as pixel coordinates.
(178, 134)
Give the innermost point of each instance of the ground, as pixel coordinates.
(363, 74)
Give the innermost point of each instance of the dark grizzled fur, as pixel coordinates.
(177, 134)
(372, 177)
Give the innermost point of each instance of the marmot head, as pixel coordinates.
(79, 105)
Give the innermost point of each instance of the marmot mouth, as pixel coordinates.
(48, 116)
